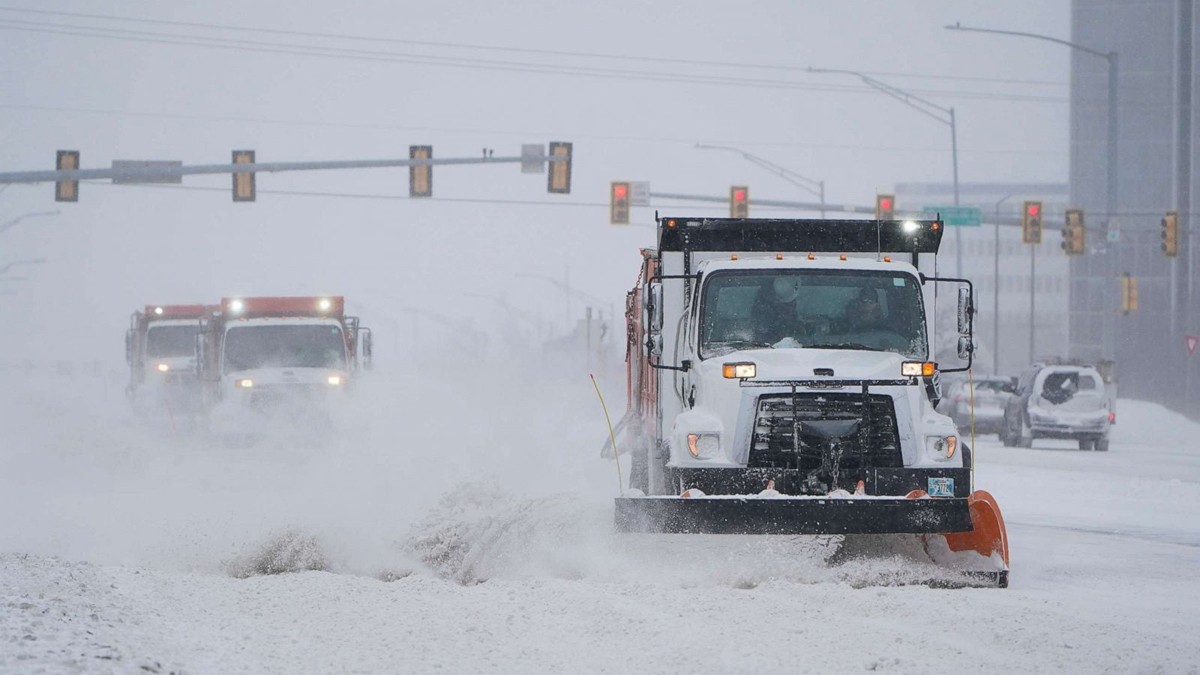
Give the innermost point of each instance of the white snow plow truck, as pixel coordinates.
(160, 348)
(780, 381)
(267, 354)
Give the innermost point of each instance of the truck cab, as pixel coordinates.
(160, 348)
(264, 352)
(795, 355)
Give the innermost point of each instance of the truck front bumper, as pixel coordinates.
(792, 515)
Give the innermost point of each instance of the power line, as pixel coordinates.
(175, 39)
(504, 49)
(397, 127)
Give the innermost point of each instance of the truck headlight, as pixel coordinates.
(739, 371)
(162, 367)
(917, 368)
(942, 447)
(335, 380)
(703, 446)
(244, 383)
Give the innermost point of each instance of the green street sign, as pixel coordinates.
(958, 216)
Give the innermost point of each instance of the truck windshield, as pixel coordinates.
(819, 309)
(248, 347)
(167, 341)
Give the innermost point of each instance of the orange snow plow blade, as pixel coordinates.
(988, 535)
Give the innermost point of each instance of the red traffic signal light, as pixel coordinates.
(1031, 223)
(618, 203)
(885, 207)
(739, 201)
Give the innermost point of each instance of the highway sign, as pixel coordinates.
(167, 165)
(639, 193)
(958, 216)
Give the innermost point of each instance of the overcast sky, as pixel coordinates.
(644, 83)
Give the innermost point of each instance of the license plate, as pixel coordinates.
(941, 487)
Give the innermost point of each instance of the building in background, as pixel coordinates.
(1158, 138)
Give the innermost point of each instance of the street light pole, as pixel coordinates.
(1111, 198)
(803, 182)
(930, 109)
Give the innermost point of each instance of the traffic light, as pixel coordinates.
(1170, 234)
(885, 207)
(244, 189)
(1074, 241)
(618, 203)
(66, 190)
(420, 178)
(1031, 223)
(559, 180)
(1129, 294)
(739, 201)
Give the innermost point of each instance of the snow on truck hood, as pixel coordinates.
(799, 363)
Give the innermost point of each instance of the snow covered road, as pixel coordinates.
(497, 555)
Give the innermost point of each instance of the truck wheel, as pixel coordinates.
(1086, 444)
(1101, 444)
(1003, 434)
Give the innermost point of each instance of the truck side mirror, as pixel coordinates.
(654, 308)
(965, 347)
(368, 347)
(964, 311)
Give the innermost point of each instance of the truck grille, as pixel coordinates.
(849, 431)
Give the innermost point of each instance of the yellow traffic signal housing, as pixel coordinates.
(885, 207)
(1031, 222)
(739, 201)
(559, 178)
(244, 189)
(1129, 294)
(1170, 234)
(1074, 234)
(618, 203)
(66, 190)
(420, 178)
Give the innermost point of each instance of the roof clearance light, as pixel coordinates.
(324, 304)
(733, 256)
(671, 224)
(245, 383)
(811, 256)
(911, 226)
(887, 258)
(739, 371)
(842, 256)
(779, 256)
(935, 226)
(158, 311)
(236, 305)
(162, 367)
(335, 380)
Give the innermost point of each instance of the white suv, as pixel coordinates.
(1058, 401)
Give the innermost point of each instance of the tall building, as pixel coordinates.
(1158, 170)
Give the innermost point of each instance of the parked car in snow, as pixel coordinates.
(991, 393)
(1058, 401)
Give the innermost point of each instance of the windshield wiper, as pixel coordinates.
(842, 345)
(739, 343)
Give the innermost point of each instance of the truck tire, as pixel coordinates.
(1087, 444)
(1101, 444)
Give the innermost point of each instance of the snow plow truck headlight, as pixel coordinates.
(244, 383)
(162, 367)
(335, 380)
(917, 369)
(739, 371)
(942, 447)
(703, 446)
